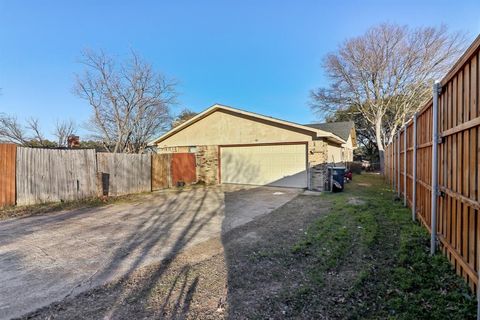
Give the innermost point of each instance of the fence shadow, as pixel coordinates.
(89, 247)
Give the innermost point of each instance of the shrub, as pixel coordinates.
(355, 167)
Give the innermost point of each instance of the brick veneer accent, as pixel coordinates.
(317, 159)
(207, 164)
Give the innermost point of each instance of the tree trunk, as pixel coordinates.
(381, 149)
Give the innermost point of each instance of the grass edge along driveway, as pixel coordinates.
(373, 236)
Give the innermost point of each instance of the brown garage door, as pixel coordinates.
(183, 168)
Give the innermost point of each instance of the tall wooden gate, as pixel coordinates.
(183, 168)
(161, 168)
(8, 155)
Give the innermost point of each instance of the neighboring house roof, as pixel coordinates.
(319, 132)
(341, 129)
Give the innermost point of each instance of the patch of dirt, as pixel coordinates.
(190, 286)
(355, 201)
(249, 237)
(362, 184)
(261, 272)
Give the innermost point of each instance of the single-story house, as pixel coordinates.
(237, 146)
(344, 130)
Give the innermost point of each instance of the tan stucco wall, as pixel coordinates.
(348, 146)
(335, 154)
(339, 154)
(221, 128)
(349, 143)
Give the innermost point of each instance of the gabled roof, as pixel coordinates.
(318, 132)
(340, 129)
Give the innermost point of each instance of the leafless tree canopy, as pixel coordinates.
(130, 101)
(387, 71)
(64, 129)
(37, 135)
(12, 131)
(29, 134)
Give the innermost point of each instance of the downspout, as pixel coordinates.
(433, 239)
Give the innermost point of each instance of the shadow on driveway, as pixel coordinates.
(44, 259)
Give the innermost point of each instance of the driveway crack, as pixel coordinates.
(45, 252)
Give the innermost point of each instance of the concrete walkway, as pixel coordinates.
(43, 259)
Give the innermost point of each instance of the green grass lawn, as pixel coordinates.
(390, 272)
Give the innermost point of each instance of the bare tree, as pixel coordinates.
(12, 131)
(64, 129)
(387, 72)
(130, 101)
(37, 135)
(29, 134)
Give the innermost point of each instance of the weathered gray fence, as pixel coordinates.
(51, 175)
(46, 175)
(125, 173)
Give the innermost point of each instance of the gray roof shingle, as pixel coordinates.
(340, 129)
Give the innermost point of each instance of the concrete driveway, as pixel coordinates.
(44, 259)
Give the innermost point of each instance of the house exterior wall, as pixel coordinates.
(221, 127)
(207, 158)
(339, 154)
(348, 146)
(335, 154)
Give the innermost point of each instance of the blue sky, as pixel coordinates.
(263, 56)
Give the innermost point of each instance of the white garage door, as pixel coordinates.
(274, 165)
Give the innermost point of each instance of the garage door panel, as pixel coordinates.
(276, 165)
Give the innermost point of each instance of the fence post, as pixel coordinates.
(478, 289)
(394, 166)
(398, 165)
(433, 239)
(405, 166)
(414, 168)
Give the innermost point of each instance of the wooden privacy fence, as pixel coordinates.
(48, 175)
(8, 153)
(34, 175)
(433, 165)
(125, 173)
